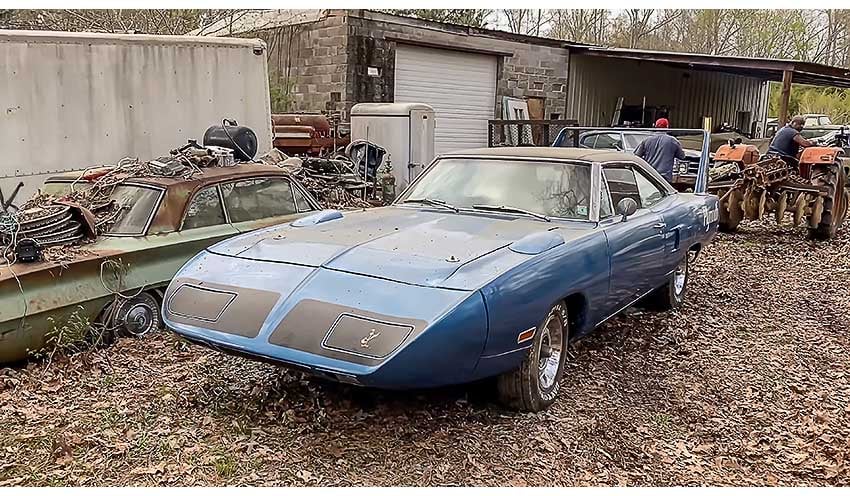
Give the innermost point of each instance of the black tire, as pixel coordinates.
(834, 205)
(731, 214)
(533, 387)
(672, 293)
(137, 316)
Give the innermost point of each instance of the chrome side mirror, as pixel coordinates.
(626, 207)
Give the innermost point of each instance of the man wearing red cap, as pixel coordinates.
(661, 150)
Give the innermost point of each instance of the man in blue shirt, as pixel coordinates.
(661, 150)
(787, 141)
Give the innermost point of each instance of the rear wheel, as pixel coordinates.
(535, 384)
(137, 316)
(834, 208)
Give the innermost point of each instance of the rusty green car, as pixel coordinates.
(163, 223)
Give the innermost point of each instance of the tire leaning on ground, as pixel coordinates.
(731, 212)
(672, 293)
(137, 316)
(534, 386)
(834, 205)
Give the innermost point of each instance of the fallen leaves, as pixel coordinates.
(746, 384)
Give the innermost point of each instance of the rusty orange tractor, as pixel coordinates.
(751, 186)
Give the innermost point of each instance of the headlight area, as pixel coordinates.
(365, 337)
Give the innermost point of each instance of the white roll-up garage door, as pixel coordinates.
(460, 86)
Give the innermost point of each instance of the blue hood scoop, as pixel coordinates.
(317, 218)
(538, 242)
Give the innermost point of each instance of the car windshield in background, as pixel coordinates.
(136, 203)
(546, 188)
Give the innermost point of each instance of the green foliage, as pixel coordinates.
(68, 336)
(805, 99)
(281, 94)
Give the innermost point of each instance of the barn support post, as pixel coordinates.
(787, 77)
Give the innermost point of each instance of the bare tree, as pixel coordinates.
(150, 21)
(477, 18)
(526, 21)
(580, 25)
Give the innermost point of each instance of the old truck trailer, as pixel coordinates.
(73, 100)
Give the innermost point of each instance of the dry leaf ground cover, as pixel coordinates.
(748, 383)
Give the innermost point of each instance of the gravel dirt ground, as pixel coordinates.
(747, 384)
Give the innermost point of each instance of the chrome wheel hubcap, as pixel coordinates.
(549, 355)
(139, 319)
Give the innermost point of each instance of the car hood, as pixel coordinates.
(416, 246)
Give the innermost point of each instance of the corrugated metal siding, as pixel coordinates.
(70, 102)
(597, 82)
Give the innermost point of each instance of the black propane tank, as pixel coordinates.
(229, 134)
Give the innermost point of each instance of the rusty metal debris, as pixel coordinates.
(335, 182)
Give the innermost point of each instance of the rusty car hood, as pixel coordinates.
(412, 245)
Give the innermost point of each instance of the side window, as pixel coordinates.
(622, 184)
(650, 194)
(589, 141)
(609, 141)
(253, 199)
(301, 201)
(204, 209)
(605, 208)
(633, 140)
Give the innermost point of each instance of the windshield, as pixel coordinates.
(545, 188)
(136, 204)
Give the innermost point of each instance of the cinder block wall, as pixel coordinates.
(326, 62)
(309, 62)
(531, 69)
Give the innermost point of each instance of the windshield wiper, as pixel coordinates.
(434, 202)
(506, 208)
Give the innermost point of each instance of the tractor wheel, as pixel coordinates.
(731, 212)
(834, 205)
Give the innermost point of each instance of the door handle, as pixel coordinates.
(660, 225)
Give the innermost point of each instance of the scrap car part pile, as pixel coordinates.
(338, 182)
(751, 186)
(88, 209)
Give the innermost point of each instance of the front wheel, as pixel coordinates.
(535, 384)
(672, 293)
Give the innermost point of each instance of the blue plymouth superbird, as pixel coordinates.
(485, 266)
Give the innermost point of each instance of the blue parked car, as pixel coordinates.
(486, 266)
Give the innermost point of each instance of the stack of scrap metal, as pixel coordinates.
(334, 182)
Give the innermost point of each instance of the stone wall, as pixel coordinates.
(307, 64)
(527, 68)
(326, 63)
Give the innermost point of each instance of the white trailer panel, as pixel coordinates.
(73, 100)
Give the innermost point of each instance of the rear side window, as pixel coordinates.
(253, 199)
(589, 141)
(204, 209)
(609, 141)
